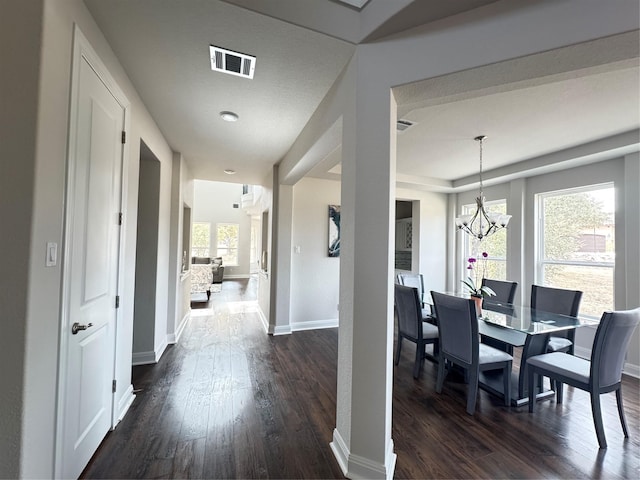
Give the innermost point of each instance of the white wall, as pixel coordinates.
(178, 301)
(213, 202)
(33, 325)
(264, 280)
(429, 236)
(315, 277)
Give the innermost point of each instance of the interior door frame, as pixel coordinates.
(82, 51)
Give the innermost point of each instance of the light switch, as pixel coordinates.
(52, 254)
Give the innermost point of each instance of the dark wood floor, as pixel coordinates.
(228, 401)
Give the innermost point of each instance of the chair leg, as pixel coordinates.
(417, 365)
(473, 391)
(597, 419)
(507, 384)
(398, 349)
(532, 393)
(559, 388)
(441, 373)
(623, 422)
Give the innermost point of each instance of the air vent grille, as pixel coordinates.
(403, 125)
(233, 63)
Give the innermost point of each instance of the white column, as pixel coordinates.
(515, 238)
(362, 438)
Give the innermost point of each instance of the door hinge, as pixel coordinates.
(113, 386)
(120, 218)
(117, 301)
(124, 137)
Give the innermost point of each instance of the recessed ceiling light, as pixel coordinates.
(228, 171)
(229, 116)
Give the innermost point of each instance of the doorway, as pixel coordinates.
(144, 310)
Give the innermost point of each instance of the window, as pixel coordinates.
(576, 244)
(495, 245)
(201, 239)
(227, 240)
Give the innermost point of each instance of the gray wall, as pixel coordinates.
(20, 25)
(144, 312)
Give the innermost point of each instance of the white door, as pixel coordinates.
(91, 270)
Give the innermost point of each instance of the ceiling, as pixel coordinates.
(301, 47)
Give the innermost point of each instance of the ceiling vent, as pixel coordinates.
(403, 125)
(233, 63)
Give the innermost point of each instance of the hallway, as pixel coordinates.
(229, 401)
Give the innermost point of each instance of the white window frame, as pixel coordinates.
(193, 247)
(469, 209)
(541, 262)
(237, 249)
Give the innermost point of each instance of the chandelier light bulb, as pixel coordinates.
(481, 223)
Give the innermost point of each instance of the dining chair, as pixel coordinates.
(415, 280)
(602, 374)
(505, 291)
(412, 327)
(460, 345)
(564, 302)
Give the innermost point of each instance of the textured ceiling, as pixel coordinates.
(301, 47)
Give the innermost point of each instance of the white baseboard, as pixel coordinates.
(145, 358)
(631, 370)
(279, 329)
(340, 451)
(357, 467)
(628, 369)
(314, 325)
(263, 319)
(175, 336)
(236, 276)
(124, 403)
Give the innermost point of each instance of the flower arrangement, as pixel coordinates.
(477, 268)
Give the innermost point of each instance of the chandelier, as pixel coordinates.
(481, 224)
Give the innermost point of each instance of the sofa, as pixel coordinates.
(205, 271)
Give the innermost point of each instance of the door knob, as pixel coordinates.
(76, 327)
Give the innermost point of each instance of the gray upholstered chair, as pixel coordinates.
(217, 270)
(411, 327)
(415, 280)
(505, 291)
(564, 302)
(602, 374)
(460, 345)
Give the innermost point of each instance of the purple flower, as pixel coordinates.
(472, 260)
(470, 267)
(485, 254)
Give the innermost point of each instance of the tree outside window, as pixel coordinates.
(227, 241)
(576, 247)
(200, 239)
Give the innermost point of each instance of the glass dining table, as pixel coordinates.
(506, 326)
